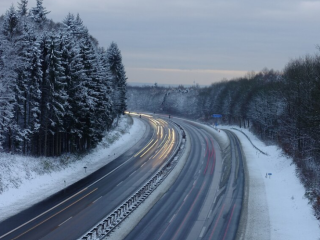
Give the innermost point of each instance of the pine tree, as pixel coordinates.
(39, 13)
(58, 97)
(105, 86)
(8, 76)
(118, 79)
(10, 24)
(59, 92)
(23, 8)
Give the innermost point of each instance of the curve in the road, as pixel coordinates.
(71, 212)
(205, 201)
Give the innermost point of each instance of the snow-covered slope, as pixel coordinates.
(277, 207)
(25, 181)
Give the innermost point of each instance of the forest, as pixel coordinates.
(59, 90)
(282, 108)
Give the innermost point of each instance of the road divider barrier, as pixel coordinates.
(107, 225)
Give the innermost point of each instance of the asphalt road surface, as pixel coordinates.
(73, 211)
(205, 201)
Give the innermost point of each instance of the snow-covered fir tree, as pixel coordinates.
(118, 78)
(57, 87)
(23, 7)
(39, 13)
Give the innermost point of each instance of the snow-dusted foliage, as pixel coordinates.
(118, 79)
(59, 91)
(283, 108)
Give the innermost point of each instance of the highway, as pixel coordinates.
(74, 210)
(205, 201)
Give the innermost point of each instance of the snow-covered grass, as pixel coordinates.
(277, 206)
(25, 181)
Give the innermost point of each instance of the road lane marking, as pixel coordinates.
(214, 228)
(109, 173)
(225, 233)
(172, 218)
(64, 221)
(43, 213)
(97, 199)
(54, 214)
(164, 231)
(143, 164)
(186, 198)
(119, 183)
(190, 209)
(202, 232)
(132, 173)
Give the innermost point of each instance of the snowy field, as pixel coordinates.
(277, 207)
(25, 181)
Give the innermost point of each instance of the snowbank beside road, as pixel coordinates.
(26, 185)
(277, 207)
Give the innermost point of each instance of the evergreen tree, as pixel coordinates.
(118, 79)
(58, 91)
(57, 96)
(8, 59)
(23, 7)
(39, 13)
(10, 24)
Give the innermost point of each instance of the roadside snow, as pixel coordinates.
(277, 207)
(24, 183)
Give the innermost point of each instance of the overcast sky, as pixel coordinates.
(202, 41)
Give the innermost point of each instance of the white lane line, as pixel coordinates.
(172, 218)
(65, 221)
(109, 173)
(209, 213)
(98, 198)
(43, 213)
(66, 199)
(194, 182)
(186, 198)
(119, 183)
(132, 173)
(202, 232)
(143, 164)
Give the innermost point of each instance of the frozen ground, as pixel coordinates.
(25, 181)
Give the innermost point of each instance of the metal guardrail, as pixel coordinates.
(251, 142)
(106, 226)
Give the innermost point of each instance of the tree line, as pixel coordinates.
(59, 91)
(280, 107)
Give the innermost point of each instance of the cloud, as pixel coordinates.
(180, 76)
(192, 34)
